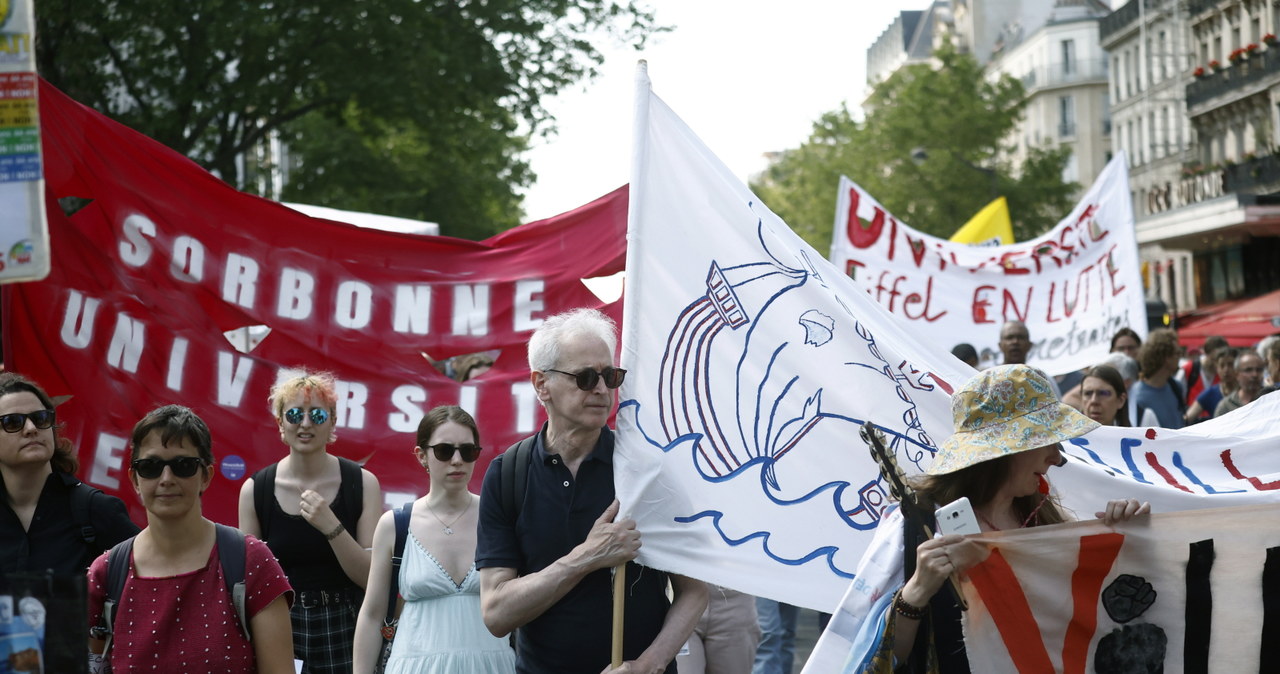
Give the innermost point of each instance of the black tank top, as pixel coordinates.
(304, 554)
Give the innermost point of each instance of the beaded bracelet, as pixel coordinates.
(902, 608)
(335, 533)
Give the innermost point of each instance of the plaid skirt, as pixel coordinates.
(324, 630)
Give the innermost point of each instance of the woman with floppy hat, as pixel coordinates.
(1009, 426)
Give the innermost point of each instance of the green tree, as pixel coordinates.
(416, 108)
(926, 150)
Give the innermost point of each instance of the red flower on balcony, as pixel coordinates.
(1237, 55)
(1269, 39)
(1215, 65)
(1199, 72)
(1251, 48)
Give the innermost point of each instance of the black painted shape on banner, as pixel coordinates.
(1271, 608)
(1128, 597)
(1131, 649)
(1199, 615)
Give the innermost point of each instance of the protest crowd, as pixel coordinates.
(605, 541)
(327, 576)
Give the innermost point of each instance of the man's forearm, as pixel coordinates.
(509, 602)
(690, 600)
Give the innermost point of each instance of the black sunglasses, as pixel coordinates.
(182, 466)
(588, 378)
(14, 423)
(319, 415)
(444, 451)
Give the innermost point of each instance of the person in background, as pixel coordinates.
(1009, 433)
(1272, 356)
(1207, 401)
(40, 512)
(175, 613)
(545, 569)
(1157, 398)
(965, 352)
(724, 640)
(1126, 341)
(471, 366)
(776, 651)
(1249, 369)
(1015, 346)
(1198, 374)
(440, 629)
(317, 512)
(1106, 400)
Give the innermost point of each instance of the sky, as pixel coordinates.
(748, 76)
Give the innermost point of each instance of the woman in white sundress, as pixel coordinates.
(440, 629)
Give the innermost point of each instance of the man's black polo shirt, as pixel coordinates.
(558, 511)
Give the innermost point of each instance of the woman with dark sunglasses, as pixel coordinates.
(48, 519)
(440, 627)
(175, 608)
(317, 512)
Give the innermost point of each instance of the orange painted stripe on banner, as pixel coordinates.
(1008, 606)
(1097, 554)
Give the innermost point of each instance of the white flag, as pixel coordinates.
(752, 363)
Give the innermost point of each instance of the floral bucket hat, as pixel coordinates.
(1006, 410)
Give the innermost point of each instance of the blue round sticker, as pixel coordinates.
(233, 467)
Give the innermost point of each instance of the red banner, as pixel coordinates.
(166, 258)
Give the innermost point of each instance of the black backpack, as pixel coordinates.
(231, 555)
(515, 476)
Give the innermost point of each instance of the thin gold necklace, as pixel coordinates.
(448, 528)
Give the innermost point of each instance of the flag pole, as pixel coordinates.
(640, 124)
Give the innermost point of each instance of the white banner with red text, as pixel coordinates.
(1074, 287)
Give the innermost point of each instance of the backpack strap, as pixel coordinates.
(351, 491)
(402, 516)
(117, 574)
(231, 555)
(515, 475)
(82, 496)
(264, 490)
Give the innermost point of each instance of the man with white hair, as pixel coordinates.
(549, 530)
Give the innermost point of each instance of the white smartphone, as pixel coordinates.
(957, 518)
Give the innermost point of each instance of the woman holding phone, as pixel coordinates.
(440, 629)
(1009, 430)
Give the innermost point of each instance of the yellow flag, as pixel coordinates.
(990, 227)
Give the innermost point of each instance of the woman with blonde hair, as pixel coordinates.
(317, 512)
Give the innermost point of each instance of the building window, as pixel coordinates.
(1066, 117)
(1164, 56)
(1068, 57)
(1116, 74)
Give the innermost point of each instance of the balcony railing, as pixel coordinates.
(1198, 7)
(1129, 13)
(1058, 74)
(1263, 66)
(1252, 174)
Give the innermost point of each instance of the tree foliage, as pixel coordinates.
(416, 108)
(926, 150)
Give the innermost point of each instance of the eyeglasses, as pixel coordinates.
(14, 423)
(1100, 394)
(444, 451)
(182, 466)
(319, 415)
(1239, 370)
(588, 378)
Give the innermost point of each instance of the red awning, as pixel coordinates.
(1242, 322)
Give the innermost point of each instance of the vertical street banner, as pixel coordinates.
(1074, 287)
(24, 236)
(157, 260)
